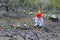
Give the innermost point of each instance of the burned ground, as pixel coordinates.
(50, 31)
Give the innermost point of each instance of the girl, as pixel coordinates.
(38, 20)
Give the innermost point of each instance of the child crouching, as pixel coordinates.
(38, 20)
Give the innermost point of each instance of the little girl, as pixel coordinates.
(38, 19)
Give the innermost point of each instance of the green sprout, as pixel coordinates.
(6, 27)
(30, 24)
